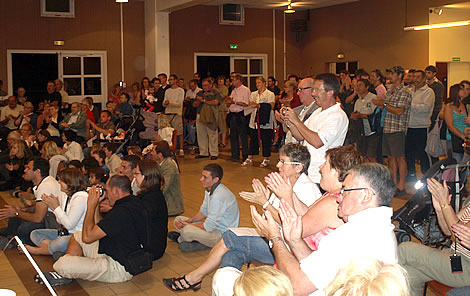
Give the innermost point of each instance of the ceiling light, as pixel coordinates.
(437, 26)
(289, 9)
(122, 1)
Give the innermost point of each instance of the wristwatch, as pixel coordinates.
(272, 241)
(16, 214)
(385, 105)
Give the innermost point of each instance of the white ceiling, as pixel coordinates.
(270, 4)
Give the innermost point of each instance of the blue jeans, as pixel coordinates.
(245, 249)
(57, 243)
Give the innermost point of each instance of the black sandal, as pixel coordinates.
(171, 284)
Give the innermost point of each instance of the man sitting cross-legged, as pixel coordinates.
(100, 251)
(220, 209)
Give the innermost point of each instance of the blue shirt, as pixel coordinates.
(221, 209)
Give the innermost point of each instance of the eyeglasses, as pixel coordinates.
(302, 89)
(353, 189)
(282, 162)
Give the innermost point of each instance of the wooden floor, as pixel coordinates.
(16, 273)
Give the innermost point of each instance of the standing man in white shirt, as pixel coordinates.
(24, 220)
(363, 108)
(422, 104)
(326, 128)
(174, 98)
(238, 101)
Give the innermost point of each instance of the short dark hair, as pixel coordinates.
(365, 81)
(164, 148)
(380, 75)
(174, 76)
(122, 182)
(465, 82)
(272, 78)
(107, 112)
(193, 81)
(156, 79)
(99, 173)
(342, 159)
(293, 76)
(297, 153)
(361, 72)
(215, 170)
(74, 179)
(89, 163)
(162, 74)
(238, 77)
(132, 159)
(70, 135)
(431, 68)
(126, 95)
(111, 147)
(42, 165)
(379, 179)
(423, 74)
(330, 82)
(412, 71)
(75, 163)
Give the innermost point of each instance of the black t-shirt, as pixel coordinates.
(275, 90)
(55, 96)
(123, 225)
(160, 96)
(155, 203)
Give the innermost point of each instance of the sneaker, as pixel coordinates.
(57, 255)
(191, 246)
(174, 235)
(247, 162)
(53, 278)
(265, 163)
(181, 153)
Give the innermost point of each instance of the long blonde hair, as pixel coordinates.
(21, 149)
(263, 280)
(50, 149)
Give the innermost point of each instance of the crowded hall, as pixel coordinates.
(234, 147)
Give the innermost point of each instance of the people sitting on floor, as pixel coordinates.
(112, 161)
(52, 153)
(128, 165)
(69, 210)
(170, 172)
(24, 220)
(72, 150)
(219, 210)
(102, 252)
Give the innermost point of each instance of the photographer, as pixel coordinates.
(69, 211)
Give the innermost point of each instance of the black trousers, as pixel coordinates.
(415, 143)
(239, 131)
(266, 136)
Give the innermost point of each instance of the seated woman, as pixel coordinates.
(42, 137)
(425, 263)
(72, 150)
(57, 161)
(69, 210)
(170, 172)
(18, 157)
(321, 217)
(263, 280)
(150, 181)
(51, 122)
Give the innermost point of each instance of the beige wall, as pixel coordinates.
(96, 26)
(197, 29)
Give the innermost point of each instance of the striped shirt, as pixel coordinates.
(464, 219)
(399, 97)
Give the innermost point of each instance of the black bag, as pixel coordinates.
(138, 261)
(457, 143)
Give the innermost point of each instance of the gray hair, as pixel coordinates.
(297, 153)
(380, 180)
(122, 182)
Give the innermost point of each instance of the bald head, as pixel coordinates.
(305, 91)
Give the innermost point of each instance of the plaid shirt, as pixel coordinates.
(398, 96)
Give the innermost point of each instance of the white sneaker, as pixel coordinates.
(181, 153)
(247, 162)
(265, 163)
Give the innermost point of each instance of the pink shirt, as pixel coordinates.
(239, 94)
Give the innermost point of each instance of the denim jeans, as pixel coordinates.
(57, 243)
(245, 249)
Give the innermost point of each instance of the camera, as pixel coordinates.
(102, 190)
(62, 232)
(283, 111)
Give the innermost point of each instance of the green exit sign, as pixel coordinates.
(455, 59)
(233, 46)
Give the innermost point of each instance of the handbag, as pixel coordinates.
(433, 144)
(140, 260)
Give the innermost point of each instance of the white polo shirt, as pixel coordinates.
(49, 186)
(331, 125)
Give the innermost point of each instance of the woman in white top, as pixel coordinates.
(72, 150)
(57, 161)
(261, 122)
(69, 209)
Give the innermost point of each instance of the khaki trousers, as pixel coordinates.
(191, 233)
(207, 139)
(91, 266)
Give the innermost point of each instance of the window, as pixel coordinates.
(83, 75)
(231, 14)
(250, 68)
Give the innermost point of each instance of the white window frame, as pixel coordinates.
(234, 56)
(72, 53)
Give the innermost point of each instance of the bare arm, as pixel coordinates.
(91, 232)
(449, 118)
(321, 214)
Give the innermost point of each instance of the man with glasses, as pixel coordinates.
(327, 126)
(364, 205)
